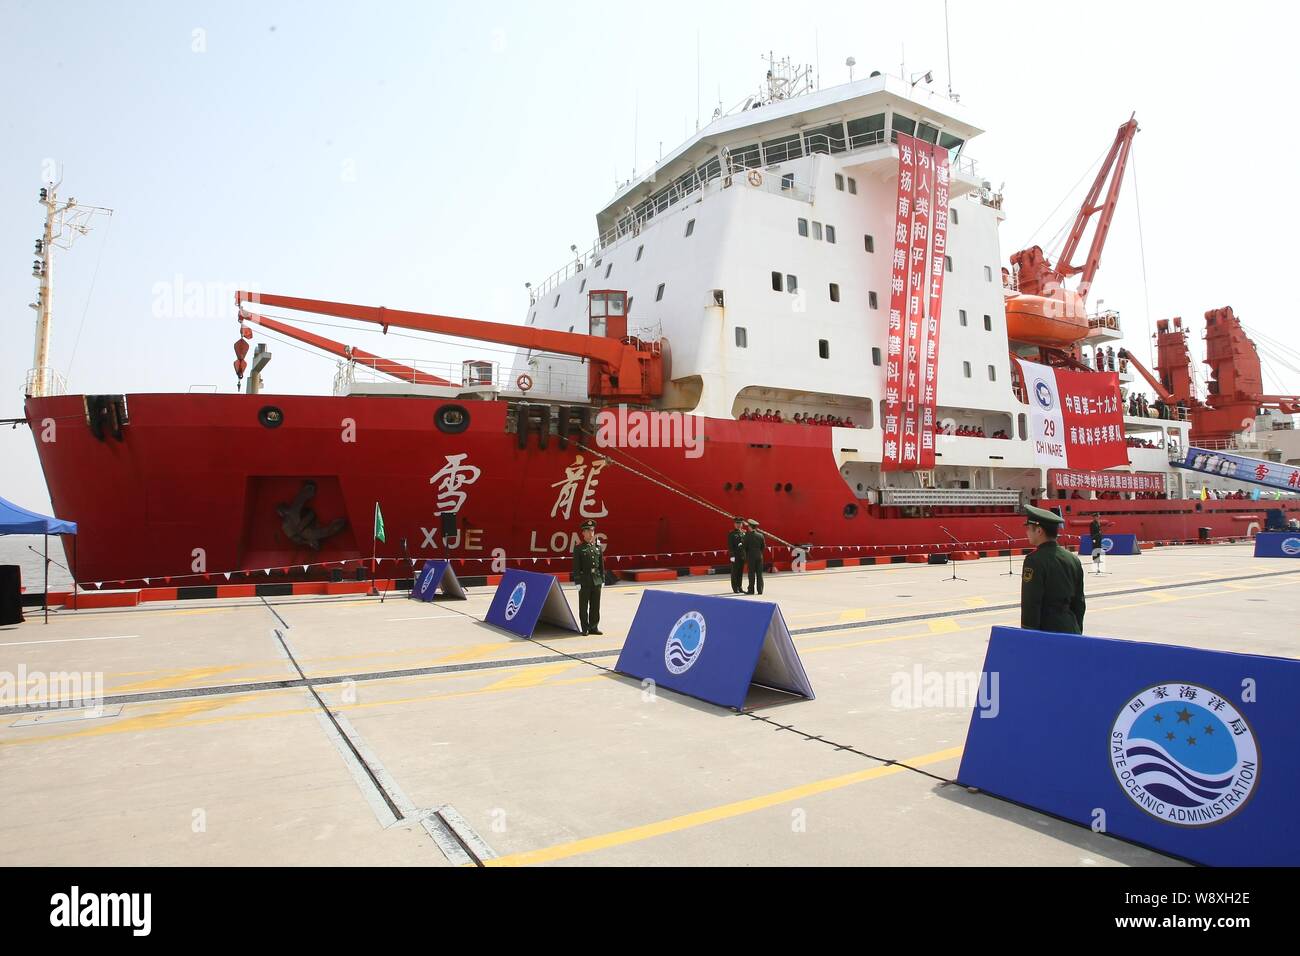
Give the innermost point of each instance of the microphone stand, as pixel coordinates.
(1011, 569)
(956, 540)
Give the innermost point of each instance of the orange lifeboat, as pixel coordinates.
(1059, 319)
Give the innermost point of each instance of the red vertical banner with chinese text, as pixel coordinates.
(917, 296)
(930, 347)
(900, 287)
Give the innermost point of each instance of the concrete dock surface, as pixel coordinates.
(345, 731)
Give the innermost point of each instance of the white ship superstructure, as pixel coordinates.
(760, 250)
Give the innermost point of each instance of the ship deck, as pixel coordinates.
(214, 745)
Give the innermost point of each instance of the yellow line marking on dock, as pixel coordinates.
(943, 625)
(530, 677)
(726, 811)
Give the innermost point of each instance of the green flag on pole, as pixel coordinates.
(379, 524)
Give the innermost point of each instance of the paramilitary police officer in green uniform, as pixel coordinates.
(736, 549)
(1051, 590)
(589, 575)
(754, 545)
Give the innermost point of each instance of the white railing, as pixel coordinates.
(44, 382)
(561, 383)
(734, 171)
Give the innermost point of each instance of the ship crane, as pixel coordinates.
(622, 368)
(1040, 309)
(1235, 391)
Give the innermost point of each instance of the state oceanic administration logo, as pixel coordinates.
(1291, 546)
(685, 642)
(516, 600)
(1043, 393)
(1184, 754)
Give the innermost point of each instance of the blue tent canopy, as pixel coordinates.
(16, 520)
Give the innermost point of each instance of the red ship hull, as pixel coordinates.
(196, 486)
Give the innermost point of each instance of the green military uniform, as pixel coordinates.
(755, 543)
(589, 575)
(1051, 588)
(736, 549)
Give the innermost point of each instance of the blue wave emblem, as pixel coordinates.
(685, 642)
(1291, 546)
(1107, 544)
(516, 600)
(1182, 753)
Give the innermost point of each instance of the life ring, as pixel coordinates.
(525, 382)
(755, 178)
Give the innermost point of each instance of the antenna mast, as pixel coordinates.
(65, 221)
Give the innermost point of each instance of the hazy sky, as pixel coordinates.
(436, 156)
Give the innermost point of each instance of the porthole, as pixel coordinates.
(788, 487)
(740, 486)
(850, 510)
(270, 416)
(778, 487)
(452, 419)
(727, 486)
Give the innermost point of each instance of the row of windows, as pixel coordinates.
(988, 320)
(993, 372)
(609, 267)
(839, 184)
(824, 351)
(817, 230)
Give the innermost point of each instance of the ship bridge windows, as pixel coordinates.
(948, 141)
(826, 139)
(782, 149)
(901, 124)
(927, 133)
(746, 157)
(866, 131)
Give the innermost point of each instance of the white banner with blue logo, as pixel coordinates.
(1046, 423)
(525, 599)
(1190, 752)
(712, 648)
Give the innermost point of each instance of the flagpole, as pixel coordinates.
(374, 547)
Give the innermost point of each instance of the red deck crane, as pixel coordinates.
(1042, 311)
(622, 368)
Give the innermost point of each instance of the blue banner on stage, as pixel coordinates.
(712, 648)
(525, 599)
(437, 574)
(1188, 751)
(1111, 544)
(1277, 544)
